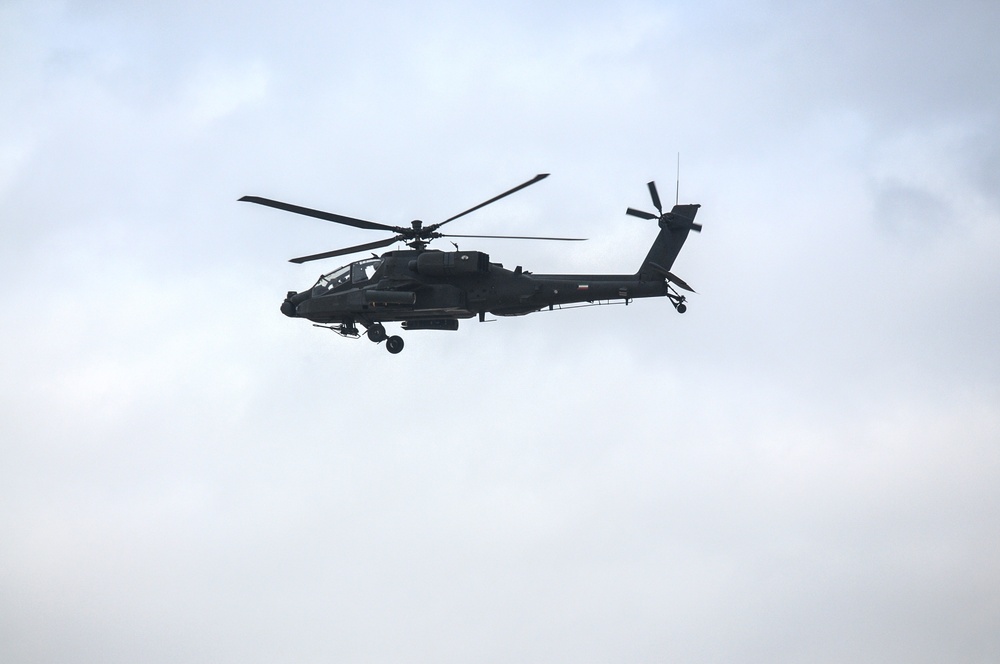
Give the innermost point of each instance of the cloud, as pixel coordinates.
(214, 93)
(800, 467)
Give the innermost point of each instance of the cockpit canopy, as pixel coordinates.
(355, 274)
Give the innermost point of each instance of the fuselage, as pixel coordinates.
(413, 285)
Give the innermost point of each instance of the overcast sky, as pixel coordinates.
(805, 467)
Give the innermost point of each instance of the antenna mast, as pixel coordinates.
(677, 195)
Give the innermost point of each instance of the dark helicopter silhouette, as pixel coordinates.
(426, 289)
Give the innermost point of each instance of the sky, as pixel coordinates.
(804, 467)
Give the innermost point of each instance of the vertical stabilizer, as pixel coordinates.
(674, 228)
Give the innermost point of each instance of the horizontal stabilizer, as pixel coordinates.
(671, 277)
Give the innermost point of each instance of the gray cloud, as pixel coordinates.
(803, 467)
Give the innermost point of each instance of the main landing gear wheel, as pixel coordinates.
(394, 344)
(681, 308)
(376, 333)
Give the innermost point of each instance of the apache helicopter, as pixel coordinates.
(426, 289)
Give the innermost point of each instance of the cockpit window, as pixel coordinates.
(332, 280)
(356, 273)
(364, 270)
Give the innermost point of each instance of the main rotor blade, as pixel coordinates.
(319, 214)
(540, 176)
(520, 237)
(640, 214)
(655, 196)
(346, 250)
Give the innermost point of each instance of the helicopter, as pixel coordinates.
(429, 289)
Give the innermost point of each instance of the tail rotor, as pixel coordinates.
(674, 220)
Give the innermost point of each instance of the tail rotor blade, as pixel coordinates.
(640, 214)
(679, 221)
(684, 223)
(656, 197)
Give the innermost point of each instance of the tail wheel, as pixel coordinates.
(394, 344)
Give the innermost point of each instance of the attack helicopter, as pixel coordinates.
(428, 289)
